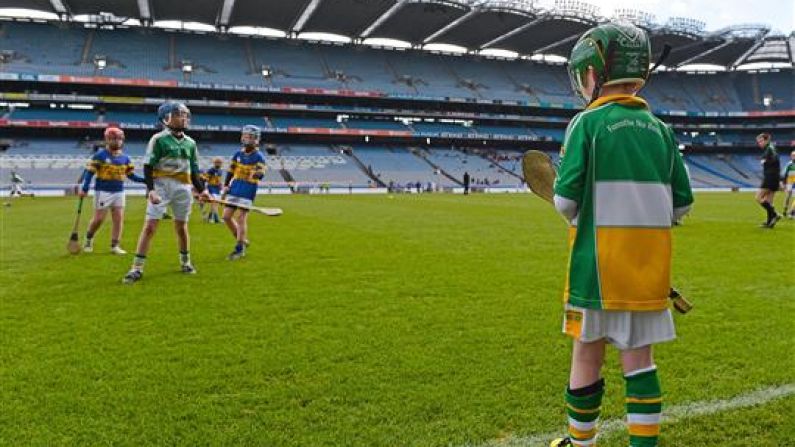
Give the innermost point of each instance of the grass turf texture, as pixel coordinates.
(366, 321)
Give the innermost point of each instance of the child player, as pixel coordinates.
(245, 172)
(111, 167)
(621, 184)
(170, 171)
(789, 183)
(212, 177)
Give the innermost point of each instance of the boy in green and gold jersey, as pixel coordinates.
(788, 177)
(621, 185)
(170, 171)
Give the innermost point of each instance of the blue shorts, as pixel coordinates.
(214, 190)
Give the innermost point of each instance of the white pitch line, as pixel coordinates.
(670, 415)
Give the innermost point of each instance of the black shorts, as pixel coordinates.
(770, 184)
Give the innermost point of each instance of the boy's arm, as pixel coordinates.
(87, 176)
(138, 179)
(230, 173)
(680, 184)
(195, 175)
(152, 157)
(259, 170)
(570, 181)
(88, 173)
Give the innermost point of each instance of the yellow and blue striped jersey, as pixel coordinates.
(247, 169)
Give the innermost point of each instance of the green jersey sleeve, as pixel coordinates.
(153, 150)
(570, 182)
(680, 180)
(680, 183)
(194, 159)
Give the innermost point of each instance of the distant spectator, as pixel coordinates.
(466, 183)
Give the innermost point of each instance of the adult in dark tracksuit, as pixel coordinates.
(771, 171)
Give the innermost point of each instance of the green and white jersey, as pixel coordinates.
(172, 157)
(622, 167)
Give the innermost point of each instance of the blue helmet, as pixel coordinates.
(250, 129)
(167, 108)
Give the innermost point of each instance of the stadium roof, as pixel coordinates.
(515, 25)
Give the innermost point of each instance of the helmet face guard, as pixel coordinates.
(169, 110)
(250, 136)
(114, 138)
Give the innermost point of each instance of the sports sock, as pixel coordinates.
(239, 246)
(114, 243)
(184, 257)
(138, 262)
(644, 407)
(89, 235)
(771, 212)
(583, 406)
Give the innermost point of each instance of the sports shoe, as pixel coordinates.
(237, 254)
(773, 221)
(132, 276)
(188, 269)
(116, 250)
(560, 442)
(88, 247)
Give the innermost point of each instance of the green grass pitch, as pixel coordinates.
(368, 321)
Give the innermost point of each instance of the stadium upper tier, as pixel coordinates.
(70, 49)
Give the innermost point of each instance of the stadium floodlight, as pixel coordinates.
(100, 62)
(266, 71)
(576, 8)
(5, 56)
(187, 67)
(515, 5)
(636, 17)
(767, 101)
(685, 25)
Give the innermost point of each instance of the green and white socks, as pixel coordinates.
(644, 407)
(583, 406)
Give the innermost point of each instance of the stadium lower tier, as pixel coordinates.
(218, 122)
(58, 163)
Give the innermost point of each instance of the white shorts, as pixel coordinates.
(104, 200)
(235, 200)
(174, 193)
(622, 329)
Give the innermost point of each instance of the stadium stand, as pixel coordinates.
(158, 54)
(427, 90)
